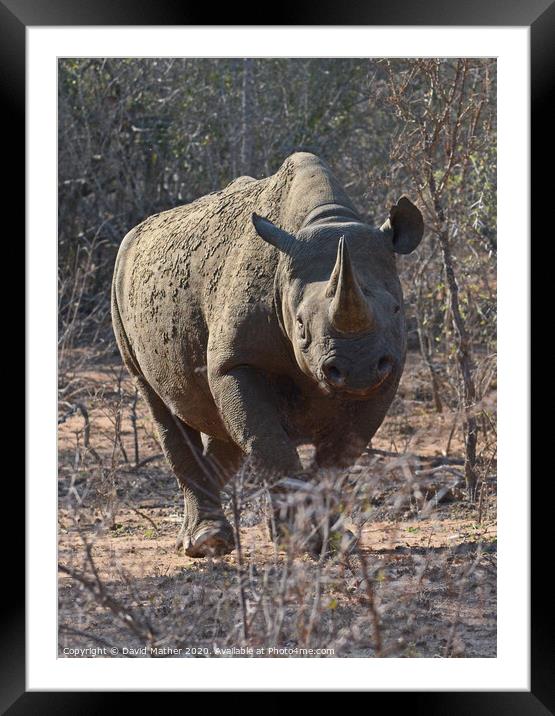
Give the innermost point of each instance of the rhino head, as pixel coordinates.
(339, 299)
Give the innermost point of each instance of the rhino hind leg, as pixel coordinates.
(205, 530)
(224, 457)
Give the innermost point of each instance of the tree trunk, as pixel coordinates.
(464, 350)
(464, 357)
(247, 109)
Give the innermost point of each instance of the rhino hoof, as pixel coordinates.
(339, 542)
(208, 539)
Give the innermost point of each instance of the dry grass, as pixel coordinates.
(421, 584)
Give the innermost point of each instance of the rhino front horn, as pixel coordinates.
(349, 311)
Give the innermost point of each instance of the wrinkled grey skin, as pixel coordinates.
(248, 335)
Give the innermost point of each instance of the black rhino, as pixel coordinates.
(248, 336)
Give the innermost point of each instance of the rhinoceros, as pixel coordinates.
(258, 318)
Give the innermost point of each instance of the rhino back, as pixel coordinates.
(194, 274)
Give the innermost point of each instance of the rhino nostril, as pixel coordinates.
(386, 365)
(333, 374)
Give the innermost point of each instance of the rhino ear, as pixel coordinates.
(405, 225)
(268, 231)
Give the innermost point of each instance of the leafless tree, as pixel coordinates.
(442, 105)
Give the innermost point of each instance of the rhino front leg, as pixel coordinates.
(248, 409)
(339, 452)
(334, 455)
(205, 528)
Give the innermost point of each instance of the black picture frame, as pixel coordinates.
(539, 16)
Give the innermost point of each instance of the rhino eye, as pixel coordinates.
(397, 308)
(301, 330)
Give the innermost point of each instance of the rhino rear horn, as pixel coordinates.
(349, 311)
(405, 225)
(272, 234)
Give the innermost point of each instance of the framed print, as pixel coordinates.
(279, 407)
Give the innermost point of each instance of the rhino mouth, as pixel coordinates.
(338, 376)
(355, 393)
(374, 388)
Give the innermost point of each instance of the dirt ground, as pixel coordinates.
(421, 584)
